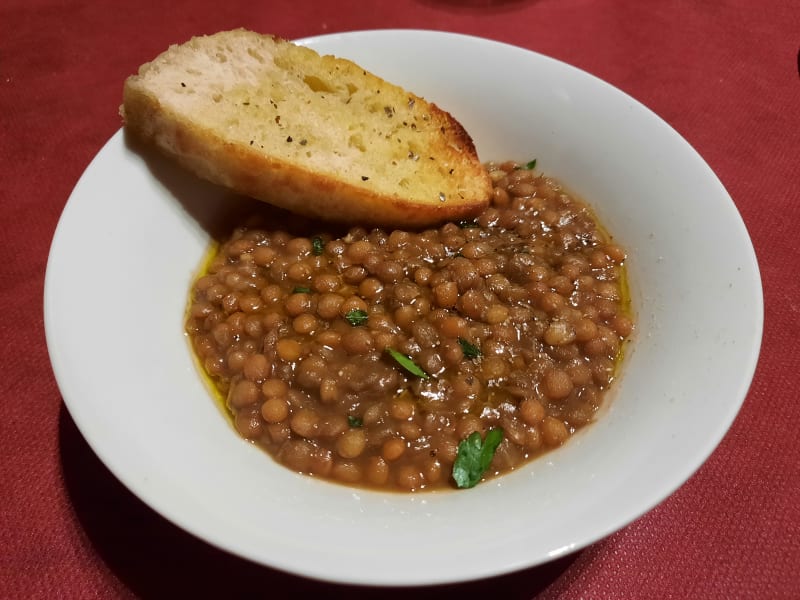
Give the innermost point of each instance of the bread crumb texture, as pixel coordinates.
(315, 134)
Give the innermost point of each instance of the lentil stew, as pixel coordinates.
(367, 356)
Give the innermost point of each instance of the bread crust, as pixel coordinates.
(280, 178)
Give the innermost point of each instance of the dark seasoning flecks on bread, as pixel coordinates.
(317, 135)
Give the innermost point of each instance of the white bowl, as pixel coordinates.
(130, 240)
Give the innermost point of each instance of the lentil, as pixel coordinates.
(516, 320)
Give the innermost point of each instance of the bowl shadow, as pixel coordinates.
(153, 558)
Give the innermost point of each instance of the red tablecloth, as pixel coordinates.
(724, 73)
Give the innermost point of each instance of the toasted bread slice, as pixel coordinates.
(317, 135)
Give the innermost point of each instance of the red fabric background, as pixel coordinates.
(724, 73)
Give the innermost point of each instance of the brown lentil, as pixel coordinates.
(518, 319)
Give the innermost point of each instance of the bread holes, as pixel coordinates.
(255, 54)
(356, 141)
(318, 85)
(282, 63)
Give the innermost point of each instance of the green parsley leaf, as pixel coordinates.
(317, 245)
(474, 457)
(469, 350)
(408, 364)
(301, 289)
(355, 421)
(356, 317)
(528, 165)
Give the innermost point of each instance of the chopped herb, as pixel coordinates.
(356, 317)
(317, 245)
(289, 139)
(469, 350)
(301, 289)
(364, 178)
(408, 364)
(474, 457)
(355, 421)
(527, 166)
(467, 224)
